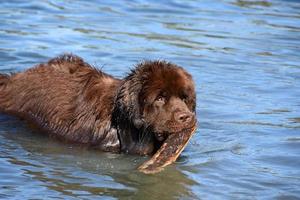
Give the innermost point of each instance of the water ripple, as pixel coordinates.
(244, 58)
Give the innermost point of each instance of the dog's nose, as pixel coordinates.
(184, 117)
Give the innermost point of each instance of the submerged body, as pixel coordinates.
(70, 100)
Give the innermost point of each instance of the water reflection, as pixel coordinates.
(79, 172)
(243, 3)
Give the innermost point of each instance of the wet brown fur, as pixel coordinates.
(74, 101)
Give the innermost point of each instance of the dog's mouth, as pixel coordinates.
(163, 135)
(171, 147)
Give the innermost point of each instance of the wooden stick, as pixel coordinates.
(168, 152)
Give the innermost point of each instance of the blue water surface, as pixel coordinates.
(245, 60)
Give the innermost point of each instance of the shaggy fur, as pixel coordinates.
(71, 100)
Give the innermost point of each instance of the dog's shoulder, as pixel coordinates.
(68, 63)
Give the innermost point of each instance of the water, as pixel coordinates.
(245, 60)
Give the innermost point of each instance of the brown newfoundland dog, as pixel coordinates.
(73, 101)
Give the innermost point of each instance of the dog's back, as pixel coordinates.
(61, 97)
(3, 79)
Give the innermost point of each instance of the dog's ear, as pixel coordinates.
(128, 100)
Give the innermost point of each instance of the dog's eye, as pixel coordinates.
(160, 99)
(184, 97)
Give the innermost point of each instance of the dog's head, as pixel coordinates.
(160, 96)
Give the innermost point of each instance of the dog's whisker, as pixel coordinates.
(145, 133)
